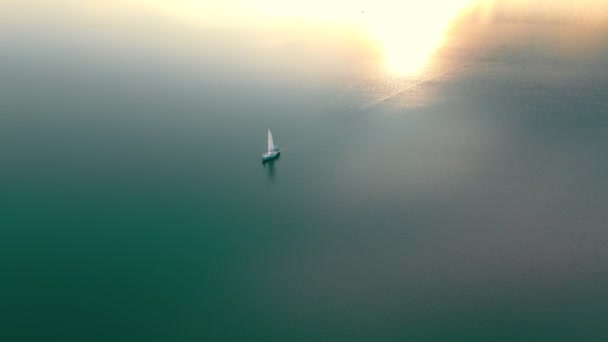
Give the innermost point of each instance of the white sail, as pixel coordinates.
(270, 143)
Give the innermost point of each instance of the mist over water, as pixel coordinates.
(465, 202)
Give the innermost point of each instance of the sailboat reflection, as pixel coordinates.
(269, 165)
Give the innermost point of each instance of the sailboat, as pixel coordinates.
(273, 150)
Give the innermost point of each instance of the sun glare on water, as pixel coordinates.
(410, 32)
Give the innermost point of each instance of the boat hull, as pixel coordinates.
(270, 155)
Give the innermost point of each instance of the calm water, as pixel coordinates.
(468, 203)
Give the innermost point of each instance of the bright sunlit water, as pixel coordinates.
(463, 201)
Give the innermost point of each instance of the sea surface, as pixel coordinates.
(468, 202)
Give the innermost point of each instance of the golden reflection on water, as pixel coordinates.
(409, 33)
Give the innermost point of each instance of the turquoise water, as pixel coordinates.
(464, 204)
